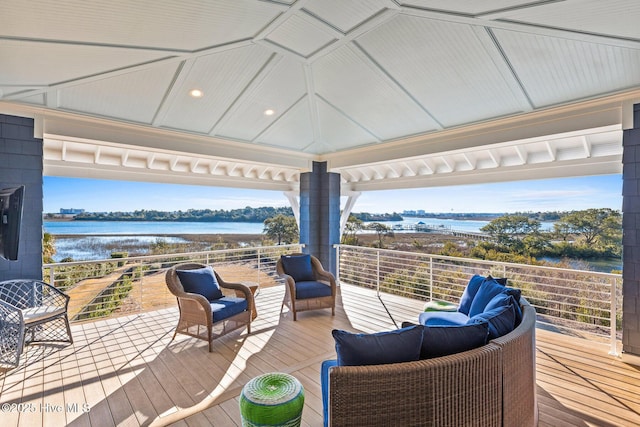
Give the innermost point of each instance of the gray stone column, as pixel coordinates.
(320, 214)
(21, 164)
(631, 236)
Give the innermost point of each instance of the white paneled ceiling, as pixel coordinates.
(391, 93)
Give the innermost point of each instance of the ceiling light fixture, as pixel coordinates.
(196, 93)
(269, 112)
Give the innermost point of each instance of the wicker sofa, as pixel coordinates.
(493, 385)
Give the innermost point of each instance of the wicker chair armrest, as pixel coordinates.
(188, 296)
(190, 302)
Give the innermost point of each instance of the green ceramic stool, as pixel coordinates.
(274, 399)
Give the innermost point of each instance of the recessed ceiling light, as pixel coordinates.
(196, 93)
(269, 112)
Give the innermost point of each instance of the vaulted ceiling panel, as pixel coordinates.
(293, 131)
(353, 85)
(302, 35)
(145, 23)
(346, 15)
(470, 6)
(278, 89)
(612, 17)
(221, 77)
(338, 131)
(554, 70)
(39, 64)
(133, 96)
(425, 55)
(386, 91)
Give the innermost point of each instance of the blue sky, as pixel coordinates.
(604, 191)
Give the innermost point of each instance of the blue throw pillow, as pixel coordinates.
(504, 298)
(502, 320)
(489, 289)
(469, 293)
(401, 345)
(200, 281)
(298, 267)
(440, 341)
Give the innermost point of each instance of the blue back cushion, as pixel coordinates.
(506, 297)
(502, 320)
(469, 293)
(489, 289)
(440, 341)
(298, 267)
(200, 281)
(401, 345)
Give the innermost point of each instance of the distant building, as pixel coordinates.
(71, 211)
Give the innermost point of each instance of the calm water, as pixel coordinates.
(98, 234)
(59, 228)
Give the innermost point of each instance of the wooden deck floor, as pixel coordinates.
(127, 372)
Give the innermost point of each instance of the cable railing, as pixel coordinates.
(122, 286)
(581, 302)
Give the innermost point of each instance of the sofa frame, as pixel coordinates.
(493, 385)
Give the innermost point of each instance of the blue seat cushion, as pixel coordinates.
(227, 306)
(443, 340)
(502, 320)
(440, 318)
(200, 281)
(324, 383)
(400, 345)
(298, 267)
(312, 289)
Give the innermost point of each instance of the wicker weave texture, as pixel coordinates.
(298, 305)
(489, 386)
(446, 391)
(196, 317)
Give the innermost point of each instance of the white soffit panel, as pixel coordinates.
(345, 15)
(39, 64)
(132, 96)
(426, 55)
(354, 86)
(554, 70)
(221, 77)
(600, 147)
(147, 23)
(612, 17)
(278, 90)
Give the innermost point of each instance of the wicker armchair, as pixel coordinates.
(307, 293)
(31, 311)
(197, 312)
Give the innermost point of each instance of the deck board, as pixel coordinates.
(130, 372)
